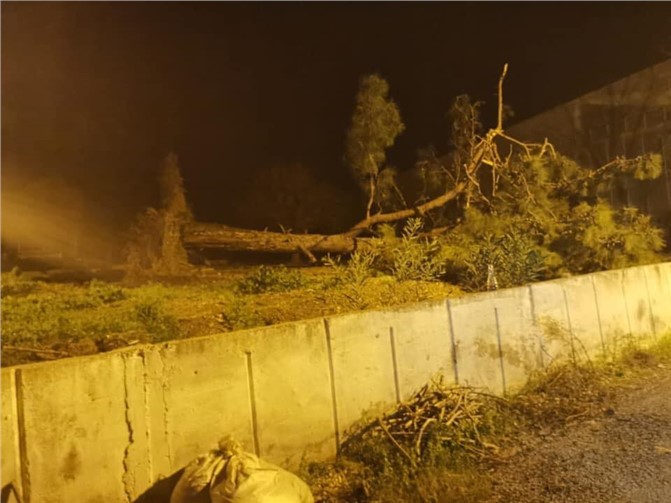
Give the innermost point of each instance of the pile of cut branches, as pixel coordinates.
(436, 416)
(439, 429)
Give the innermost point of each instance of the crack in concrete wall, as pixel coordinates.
(147, 413)
(166, 409)
(128, 475)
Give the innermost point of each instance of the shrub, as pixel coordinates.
(511, 245)
(271, 279)
(412, 257)
(416, 257)
(514, 257)
(355, 271)
(597, 237)
(239, 315)
(152, 315)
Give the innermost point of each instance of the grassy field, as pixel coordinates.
(48, 320)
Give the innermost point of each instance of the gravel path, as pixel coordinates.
(621, 456)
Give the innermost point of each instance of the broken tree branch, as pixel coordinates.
(499, 126)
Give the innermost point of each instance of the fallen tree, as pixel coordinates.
(223, 237)
(207, 235)
(554, 206)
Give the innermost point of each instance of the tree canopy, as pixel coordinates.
(376, 122)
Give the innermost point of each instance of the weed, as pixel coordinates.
(413, 257)
(416, 257)
(572, 345)
(355, 272)
(152, 315)
(634, 356)
(239, 315)
(271, 279)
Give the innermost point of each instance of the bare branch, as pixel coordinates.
(499, 126)
(407, 213)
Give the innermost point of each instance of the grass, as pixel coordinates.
(42, 320)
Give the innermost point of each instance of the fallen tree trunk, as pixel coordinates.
(206, 235)
(197, 235)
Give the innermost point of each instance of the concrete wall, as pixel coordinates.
(11, 468)
(107, 427)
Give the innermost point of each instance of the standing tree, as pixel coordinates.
(155, 238)
(376, 123)
(171, 189)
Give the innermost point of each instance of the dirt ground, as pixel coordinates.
(621, 455)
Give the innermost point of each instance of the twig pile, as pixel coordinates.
(454, 416)
(436, 428)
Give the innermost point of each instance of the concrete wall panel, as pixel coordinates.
(519, 342)
(658, 279)
(156, 414)
(422, 345)
(665, 269)
(363, 369)
(10, 442)
(204, 396)
(613, 310)
(551, 316)
(583, 317)
(76, 429)
(473, 321)
(138, 462)
(289, 366)
(635, 287)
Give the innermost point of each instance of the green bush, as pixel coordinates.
(412, 257)
(153, 316)
(271, 279)
(353, 272)
(597, 237)
(514, 257)
(415, 257)
(105, 293)
(510, 244)
(239, 315)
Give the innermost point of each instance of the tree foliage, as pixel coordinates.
(491, 204)
(376, 123)
(536, 214)
(530, 213)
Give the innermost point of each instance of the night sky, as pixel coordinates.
(99, 93)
